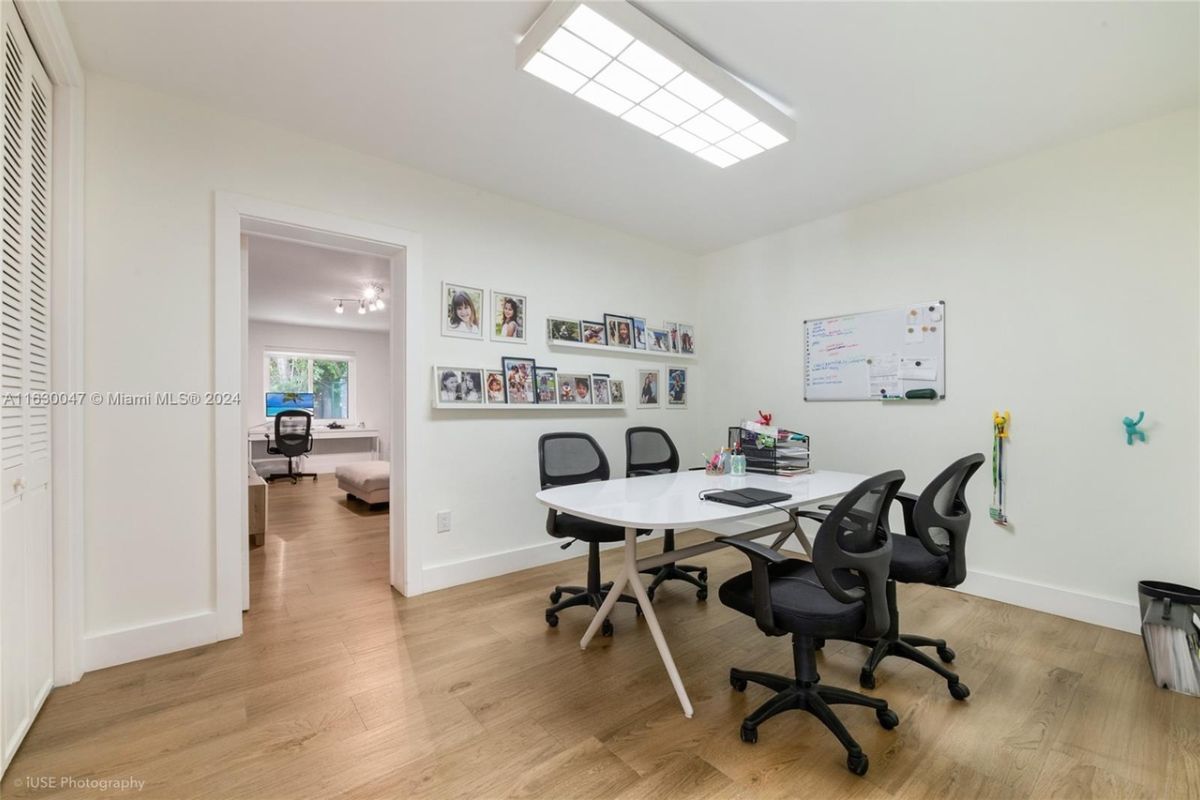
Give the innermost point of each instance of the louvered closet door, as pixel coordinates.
(26, 577)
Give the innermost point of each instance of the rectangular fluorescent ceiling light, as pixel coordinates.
(618, 59)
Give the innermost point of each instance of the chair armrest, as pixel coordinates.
(814, 515)
(760, 557)
(908, 505)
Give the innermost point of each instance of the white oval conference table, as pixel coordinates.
(674, 501)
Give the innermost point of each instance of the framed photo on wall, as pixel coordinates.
(673, 334)
(563, 330)
(547, 385)
(508, 317)
(493, 382)
(593, 332)
(647, 388)
(639, 333)
(575, 389)
(458, 386)
(619, 330)
(601, 391)
(687, 339)
(461, 310)
(659, 340)
(519, 377)
(677, 387)
(617, 388)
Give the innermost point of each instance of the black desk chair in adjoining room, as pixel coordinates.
(932, 551)
(840, 594)
(650, 451)
(566, 459)
(293, 438)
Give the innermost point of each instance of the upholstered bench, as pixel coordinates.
(366, 480)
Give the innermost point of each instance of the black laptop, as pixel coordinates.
(747, 498)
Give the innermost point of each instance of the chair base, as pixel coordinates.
(816, 699)
(894, 643)
(292, 476)
(580, 596)
(689, 573)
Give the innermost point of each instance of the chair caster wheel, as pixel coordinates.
(738, 684)
(887, 718)
(552, 620)
(703, 575)
(702, 594)
(555, 597)
(945, 654)
(637, 610)
(606, 628)
(857, 763)
(866, 679)
(650, 595)
(818, 644)
(749, 735)
(958, 690)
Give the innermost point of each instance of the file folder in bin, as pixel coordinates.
(1170, 614)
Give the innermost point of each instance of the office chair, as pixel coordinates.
(565, 459)
(293, 438)
(932, 551)
(650, 451)
(841, 593)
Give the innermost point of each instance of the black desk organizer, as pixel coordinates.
(766, 459)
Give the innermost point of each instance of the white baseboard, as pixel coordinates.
(454, 573)
(1054, 600)
(102, 650)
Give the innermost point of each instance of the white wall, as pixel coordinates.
(153, 164)
(1070, 278)
(369, 399)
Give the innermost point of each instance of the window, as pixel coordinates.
(326, 376)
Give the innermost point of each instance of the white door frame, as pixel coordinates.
(48, 31)
(235, 213)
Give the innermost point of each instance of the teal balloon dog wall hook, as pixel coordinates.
(1131, 428)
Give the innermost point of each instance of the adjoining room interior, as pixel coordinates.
(556, 399)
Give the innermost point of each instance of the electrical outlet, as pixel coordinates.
(443, 522)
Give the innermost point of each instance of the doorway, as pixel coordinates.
(239, 217)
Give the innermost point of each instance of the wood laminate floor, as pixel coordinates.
(342, 688)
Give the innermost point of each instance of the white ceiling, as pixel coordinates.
(888, 96)
(295, 283)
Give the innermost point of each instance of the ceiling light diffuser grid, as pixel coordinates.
(596, 60)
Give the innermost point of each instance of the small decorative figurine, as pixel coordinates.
(1131, 428)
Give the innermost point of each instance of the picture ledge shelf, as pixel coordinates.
(608, 349)
(525, 407)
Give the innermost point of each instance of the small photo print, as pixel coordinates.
(575, 389)
(687, 339)
(648, 388)
(620, 330)
(458, 386)
(673, 332)
(547, 384)
(601, 391)
(461, 310)
(618, 392)
(593, 332)
(676, 387)
(493, 381)
(508, 316)
(639, 333)
(519, 374)
(660, 340)
(563, 330)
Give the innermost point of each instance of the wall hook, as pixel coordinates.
(1131, 428)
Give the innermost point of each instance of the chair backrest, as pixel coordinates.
(941, 518)
(292, 430)
(565, 459)
(851, 539)
(649, 451)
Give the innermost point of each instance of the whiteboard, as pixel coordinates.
(876, 355)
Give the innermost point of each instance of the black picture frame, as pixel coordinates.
(520, 366)
(612, 330)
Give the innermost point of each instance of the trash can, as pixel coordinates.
(1170, 633)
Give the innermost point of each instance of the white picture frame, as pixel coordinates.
(458, 386)
(497, 323)
(450, 307)
(676, 397)
(649, 397)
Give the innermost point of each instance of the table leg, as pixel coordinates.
(606, 607)
(643, 599)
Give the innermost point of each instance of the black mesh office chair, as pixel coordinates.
(293, 438)
(566, 459)
(650, 451)
(840, 594)
(931, 551)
